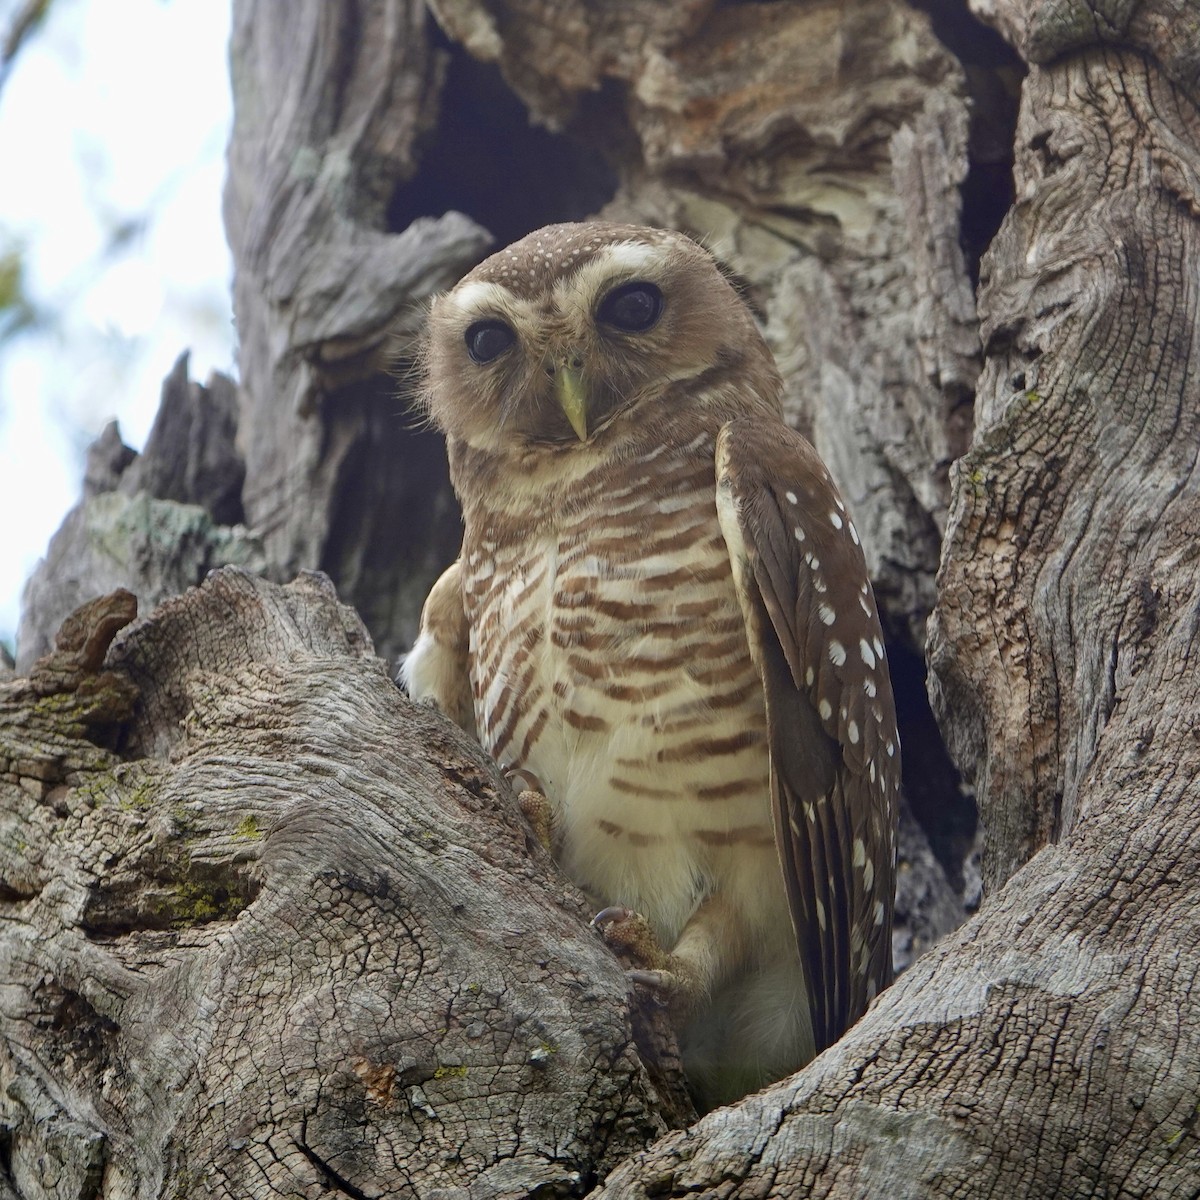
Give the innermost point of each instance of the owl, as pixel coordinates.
(661, 618)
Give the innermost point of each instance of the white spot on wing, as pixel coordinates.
(868, 655)
(852, 732)
(827, 615)
(791, 496)
(835, 520)
(837, 653)
(825, 709)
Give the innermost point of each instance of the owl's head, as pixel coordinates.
(579, 333)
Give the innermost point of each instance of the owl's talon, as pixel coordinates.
(658, 981)
(630, 938)
(527, 777)
(535, 806)
(610, 915)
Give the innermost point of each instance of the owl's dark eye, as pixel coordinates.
(488, 339)
(632, 307)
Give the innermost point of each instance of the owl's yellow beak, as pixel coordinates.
(570, 386)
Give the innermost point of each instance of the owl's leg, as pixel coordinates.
(708, 952)
(536, 807)
(435, 670)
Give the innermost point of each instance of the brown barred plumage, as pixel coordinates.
(661, 613)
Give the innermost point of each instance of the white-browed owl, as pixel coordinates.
(661, 613)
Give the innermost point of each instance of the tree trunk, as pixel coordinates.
(281, 933)
(272, 931)
(1050, 1047)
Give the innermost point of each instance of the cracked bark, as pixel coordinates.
(192, 1007)
(1049, 1047)
(270, 930)
(380, 150)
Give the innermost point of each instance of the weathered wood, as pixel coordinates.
(1063, 524)
(191, 455)
(292, 936)
(1044, 30)
(156, 522)
(1048, 1048)
(330, 105)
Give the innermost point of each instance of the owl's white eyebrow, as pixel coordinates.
(479, 296)
(628, 256)
(618, 263)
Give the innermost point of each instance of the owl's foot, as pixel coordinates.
(654, 1013)
(630, 937)
(647, 964)
(537, 809)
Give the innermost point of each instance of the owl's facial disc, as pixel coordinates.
(586, 338)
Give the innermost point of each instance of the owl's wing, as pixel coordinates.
(437, 668)
(835, 758)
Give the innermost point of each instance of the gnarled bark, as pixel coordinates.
(155, 522)
(1050, 1047)
(829, 154)
(271, 930)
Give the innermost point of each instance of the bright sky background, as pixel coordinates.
(114, 112)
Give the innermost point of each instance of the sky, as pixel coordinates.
(113, 125)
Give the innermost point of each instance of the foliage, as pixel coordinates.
(24, 22)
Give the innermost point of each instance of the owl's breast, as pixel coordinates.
(609, 658)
